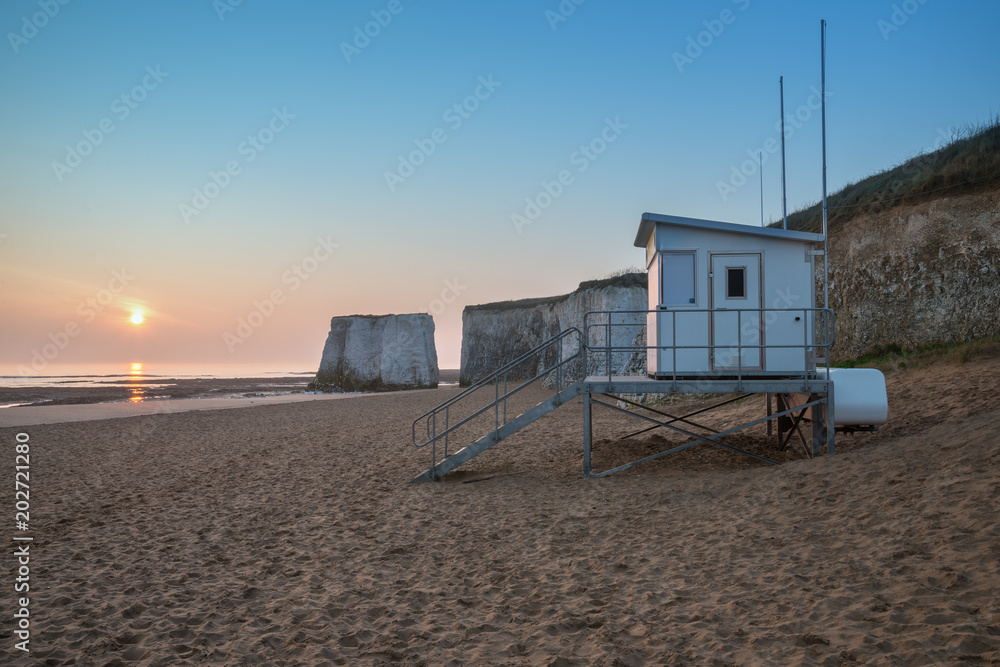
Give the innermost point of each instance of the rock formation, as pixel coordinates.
(918, 274)
(497, 333)
(379, 353)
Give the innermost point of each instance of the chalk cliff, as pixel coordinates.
(497, 333)
(379, 353)
(919, 274)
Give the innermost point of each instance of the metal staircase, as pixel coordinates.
(602, 361)
(550, 362)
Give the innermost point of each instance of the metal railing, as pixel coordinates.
(817, 335)
(442, 414)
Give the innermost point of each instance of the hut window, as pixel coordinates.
(736, 282)
(678, 279)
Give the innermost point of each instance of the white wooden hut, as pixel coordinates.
(729, 299)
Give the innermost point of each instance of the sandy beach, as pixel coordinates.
(287, 535)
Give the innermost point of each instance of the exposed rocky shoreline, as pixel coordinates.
(154, 388)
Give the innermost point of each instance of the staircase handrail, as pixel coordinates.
(492, 378)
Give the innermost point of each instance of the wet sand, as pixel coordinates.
(122, 389)
(53, 405)
(34, 415)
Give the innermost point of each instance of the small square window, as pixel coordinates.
(736, 282)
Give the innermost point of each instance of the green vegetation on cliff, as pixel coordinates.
(892, 357)
(971, 162)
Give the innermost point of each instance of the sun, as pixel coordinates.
(137, 317)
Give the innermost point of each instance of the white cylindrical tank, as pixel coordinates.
(859, 397)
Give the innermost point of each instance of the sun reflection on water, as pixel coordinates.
(138, 391)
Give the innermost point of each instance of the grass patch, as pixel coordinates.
(969, 163)
(896, 357)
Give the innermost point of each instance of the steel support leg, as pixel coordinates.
(821, 434)
(769, 424)
(831, 428)
(783, 424)
(586, 434)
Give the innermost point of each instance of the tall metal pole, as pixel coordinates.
(826, 242)
(761, 161)
(784, 195)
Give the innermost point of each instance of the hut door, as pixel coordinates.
(736, 318)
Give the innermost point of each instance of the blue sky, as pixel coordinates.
(331, 121)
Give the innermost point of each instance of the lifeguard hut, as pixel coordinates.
(729, 299)
(733, 311)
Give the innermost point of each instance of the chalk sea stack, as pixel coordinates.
(378, 353)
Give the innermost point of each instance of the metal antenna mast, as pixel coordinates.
(761, 161)
(826, 242)
(784, 195)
